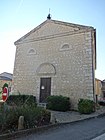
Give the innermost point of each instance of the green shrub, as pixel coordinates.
(5, 85)
(86, 106)
(58, 103)
(33, 117)
(18, 100)
(8, 118)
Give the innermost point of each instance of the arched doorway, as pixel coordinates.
(45, 72)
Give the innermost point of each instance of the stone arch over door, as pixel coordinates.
(45, 71)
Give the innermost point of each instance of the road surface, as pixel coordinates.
(83, 130)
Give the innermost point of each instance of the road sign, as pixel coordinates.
(5, 94)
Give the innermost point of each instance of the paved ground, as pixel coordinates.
(101, 137)
(72, 116)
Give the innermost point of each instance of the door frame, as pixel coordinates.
(45, 89)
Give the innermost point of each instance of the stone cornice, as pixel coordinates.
(53, 36)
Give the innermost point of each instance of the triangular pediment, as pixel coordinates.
(51, 28)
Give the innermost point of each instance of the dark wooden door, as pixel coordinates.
(45, 89)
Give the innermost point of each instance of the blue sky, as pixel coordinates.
(17, 17)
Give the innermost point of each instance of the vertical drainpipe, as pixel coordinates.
(93, 33)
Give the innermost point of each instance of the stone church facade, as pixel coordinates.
(56, 58)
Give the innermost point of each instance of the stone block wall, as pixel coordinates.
(71, 56)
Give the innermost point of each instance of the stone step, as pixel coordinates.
(42, 105)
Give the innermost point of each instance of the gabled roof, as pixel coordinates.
(66, 24)
(6, 76)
